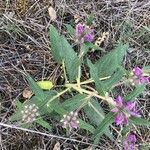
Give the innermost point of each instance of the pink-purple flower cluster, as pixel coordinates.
(130, 141)
(70, 120)
(140, 78)
(83, 33)
(124, 111)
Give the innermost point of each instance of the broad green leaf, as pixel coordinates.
(94, 112)
(35, 89)
(56, 44)
(103, 126)
(86, 126)
(62, 50)
(114, 79)
(75, 102)
(43, 123)
(136, 92)
(70, 29)
(96, 115)
(45, 85)
(58, 108)
(139, 121)
(111, 61)
(95, 76)
(71, 59)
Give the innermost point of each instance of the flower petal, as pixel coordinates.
(90, 36)
(125, 121)
(80, 29)
(74, 124)
(144, 80)
(134, 113)
(137, 71)
(132, 138)
(119, 118)
(119, 101)
(130, 106)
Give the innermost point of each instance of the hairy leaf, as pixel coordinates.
(136, 92)
(96, 115)
(86, 126)
(43, 123)
(139, 121)
(71, 59)
(35, 89)
(110, 62)
(56, 44)
(103, 126)
(75, 102)
(94, 75)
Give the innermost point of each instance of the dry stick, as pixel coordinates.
(44, 134)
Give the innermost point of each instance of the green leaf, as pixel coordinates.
(94, 75)
(70, 29)
(71, 59)
(56, 44)
(86, 126)
(90, 19)
(35, 88)
(75, 102)
(62, 50)
(110, 62)
(96, 115)
(136, 92)
(139, 121)
(43, 123)
(103, 126)
(114, 79)
(94, 112)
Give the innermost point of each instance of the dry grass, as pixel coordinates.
(24, 46)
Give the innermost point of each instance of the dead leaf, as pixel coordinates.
(27, 93)
(52, 13)
(57, 146)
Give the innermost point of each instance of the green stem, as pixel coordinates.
(65, 75)
(91, 80)
(56, 96)
(79, 76)
(81, 90)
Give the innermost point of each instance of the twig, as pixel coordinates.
(45, 134)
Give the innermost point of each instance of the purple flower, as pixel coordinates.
(139, 77)
(124, 111)
(80, 29)
(84, 33)
(130, 141)
(89, 37)
(137, 71)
